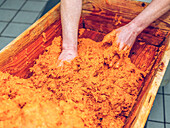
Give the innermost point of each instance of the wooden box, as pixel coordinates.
(98, 18)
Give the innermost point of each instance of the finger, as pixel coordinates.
(122, 46)
(109, 36)
(125, 48)
(118, 63)
(59, 63)
(117, 40)
(118, 43)
(114, 60)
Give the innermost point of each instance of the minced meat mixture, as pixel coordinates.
(96, 90)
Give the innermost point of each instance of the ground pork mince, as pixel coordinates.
(96, 90)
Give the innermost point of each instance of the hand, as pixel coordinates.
(67, 55)
(125, 36)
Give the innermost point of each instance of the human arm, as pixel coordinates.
(70, 15)
(127, 34)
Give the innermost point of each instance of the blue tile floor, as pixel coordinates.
(18, 15)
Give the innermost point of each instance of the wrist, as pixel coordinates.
(72, 48)
(135, 27)
(69, 45)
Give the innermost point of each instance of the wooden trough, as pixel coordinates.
(150, 52)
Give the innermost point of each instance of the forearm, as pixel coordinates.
(154, 10)
(70, 15)
(126, 35)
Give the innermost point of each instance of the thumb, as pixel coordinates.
(108, 38)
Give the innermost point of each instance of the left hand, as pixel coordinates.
(125, 36)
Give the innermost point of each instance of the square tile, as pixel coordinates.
(50, 4)
(2, 25)
(13, 4)
(25, 17)
(4, 41)
(167, 88)
(39, 16)
(34, 6)
(155, 125)
(167, 125)
(6, 15)
(14, 29)
(156, 113)
(167, 108)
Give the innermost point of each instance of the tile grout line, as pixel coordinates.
(17, 10)
(39, 0)
(12, 18)
(40, 13)
(17, 22)
(160, 93)
(8, 36)
(21, 23)
(166, 94)
(163, 94)
(164, 107)
(162, 122)
(3, 3)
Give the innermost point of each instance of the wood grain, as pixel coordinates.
(125, 8)
(19, 64)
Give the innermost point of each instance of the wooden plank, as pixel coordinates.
(147, 101)
(106, 26)
(19, 64)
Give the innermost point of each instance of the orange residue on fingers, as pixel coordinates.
(96, 89)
